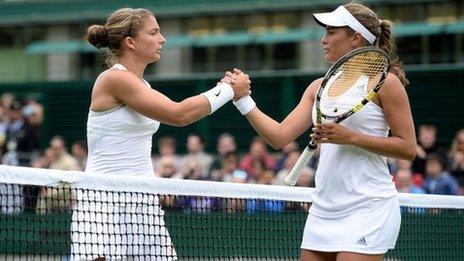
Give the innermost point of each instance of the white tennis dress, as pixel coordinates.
(119, 143)
(355, 205)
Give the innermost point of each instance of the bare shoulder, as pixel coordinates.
(312, 88)
(391, 85)
(107, 88)
(392, 89)
(112, 78)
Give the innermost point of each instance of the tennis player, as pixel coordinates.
(124, 114)
(355, 214)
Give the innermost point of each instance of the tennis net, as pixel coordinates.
(58, 215)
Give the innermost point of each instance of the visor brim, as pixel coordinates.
(328, 19)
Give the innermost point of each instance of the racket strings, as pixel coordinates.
(351, 83)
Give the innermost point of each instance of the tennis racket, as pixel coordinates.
(350, 83)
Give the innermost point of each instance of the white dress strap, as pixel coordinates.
(119, 67)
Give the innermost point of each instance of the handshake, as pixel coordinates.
(233, 86)
(240, 83)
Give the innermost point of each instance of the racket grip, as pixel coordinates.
(294, 174)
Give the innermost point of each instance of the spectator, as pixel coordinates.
(166, 167)
(401, 164)
(225, 144)
(266, 177)
(258, 152)
(197, 155)
(13, 129)
(79, 152)
(11, 156)
(63, 160)
(29, 144)
(290, 161)
(229, 165)
(45, 160)
(404, 182)
(438, 180)
(6, 100)
(426, 144)
(280, 163)
(192, 168)
(457, 159)
(167, 147)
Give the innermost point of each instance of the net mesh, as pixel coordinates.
(54, 215)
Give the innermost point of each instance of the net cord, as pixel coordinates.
(163, 186)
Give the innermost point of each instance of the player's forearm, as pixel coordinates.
(190, 110)
(394, 147)
(267, 128)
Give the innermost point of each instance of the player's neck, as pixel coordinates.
(133, 66)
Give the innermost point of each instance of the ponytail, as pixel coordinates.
(387, 43)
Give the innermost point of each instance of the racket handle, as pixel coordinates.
(294, 174)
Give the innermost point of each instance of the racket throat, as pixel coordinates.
(312, 145)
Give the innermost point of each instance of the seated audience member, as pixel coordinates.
(404, 182)
(438, 180)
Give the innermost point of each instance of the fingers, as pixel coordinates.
(229, 78)
(237, 71)
(324, 132)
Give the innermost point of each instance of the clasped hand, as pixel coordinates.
(239, 81)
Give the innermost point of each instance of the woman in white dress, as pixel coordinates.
(355, 213)
(124, 113)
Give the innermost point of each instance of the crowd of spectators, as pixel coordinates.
(435, 170)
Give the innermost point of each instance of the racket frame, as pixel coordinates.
(308, 152)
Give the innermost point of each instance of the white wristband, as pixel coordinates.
(219, 96)
(245, 104)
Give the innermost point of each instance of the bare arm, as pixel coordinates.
(124, 87)
(296, 123)
(395, 104)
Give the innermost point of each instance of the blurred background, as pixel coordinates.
(47, 69)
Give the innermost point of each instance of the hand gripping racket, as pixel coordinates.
(350, 83)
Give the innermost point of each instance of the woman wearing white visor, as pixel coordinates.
(355, 213)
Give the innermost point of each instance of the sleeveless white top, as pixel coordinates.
(349, 178)
(120, 140)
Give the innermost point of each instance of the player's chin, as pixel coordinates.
(330, 58)
(155, 58)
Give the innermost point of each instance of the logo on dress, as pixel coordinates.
(362, 241)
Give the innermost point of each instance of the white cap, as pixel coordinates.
(341, 17)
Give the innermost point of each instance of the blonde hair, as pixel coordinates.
(382, 31)
(122, 23)
(455, 142)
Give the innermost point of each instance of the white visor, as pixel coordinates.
(341, 17)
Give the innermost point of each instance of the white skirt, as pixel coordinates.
(370, 231)
(117, 225)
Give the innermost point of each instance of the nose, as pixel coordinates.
(324, 39)
(162, 40)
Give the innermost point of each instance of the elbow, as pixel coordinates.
(179, 117)
(180, 121)
(410, 153)
(277, 145)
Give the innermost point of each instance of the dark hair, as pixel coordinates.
(196, 134)
(122, 23)
(382, 31)
(434, 157)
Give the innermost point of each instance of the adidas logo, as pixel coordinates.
(362, 241)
